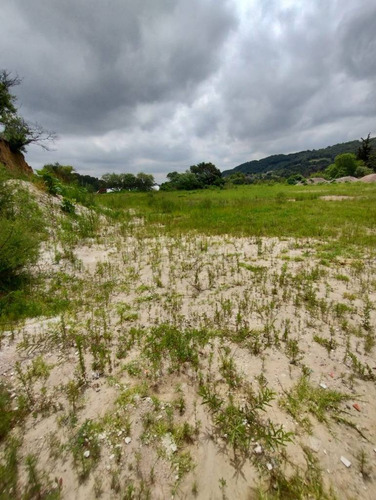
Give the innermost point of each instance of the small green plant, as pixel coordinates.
(85, 448)
(67, 206)
(322, 403)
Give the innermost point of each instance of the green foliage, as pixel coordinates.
(9, 470)
(365, 150)
(167, 342)
(344, 165)
(67, 206)
(17, 132)
(252, 211)
(86, 448)
(303, 162)
(21, 232)
(197, 177)
(129, 182)
(6, 411)
(322, 403)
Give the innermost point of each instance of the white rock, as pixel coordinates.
(87, 453)
(127, 440)
(345, 462)
(269, 466)
(258, 449)
(323, 386)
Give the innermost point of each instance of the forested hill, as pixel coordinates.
(304, 162)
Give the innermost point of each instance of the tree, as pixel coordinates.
(364, 151)
(207, 173)
(7, 100)
(112, 181)
(17, 131)
(344, 165)
(144, 182)
(130, 182)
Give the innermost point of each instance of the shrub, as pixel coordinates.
(21, 232)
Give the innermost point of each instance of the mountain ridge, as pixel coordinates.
(302, 162)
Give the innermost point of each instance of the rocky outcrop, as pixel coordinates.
(15, 162)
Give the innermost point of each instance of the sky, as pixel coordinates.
(159, 85)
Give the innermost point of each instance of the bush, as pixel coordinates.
(21, 232)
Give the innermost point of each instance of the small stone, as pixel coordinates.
(87, 453)
(314, 444)
(323, 386)
(346, 462)
(112, 457)
(258, 450)
(127, 440)
(269, 466)
(356, 406)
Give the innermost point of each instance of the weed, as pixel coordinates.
(318, 401)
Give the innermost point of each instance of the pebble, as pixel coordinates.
(87, 453)
(323, 386)
(269, 466)
(345, 462)
(127, 440)
(314, 444)
(258, 450)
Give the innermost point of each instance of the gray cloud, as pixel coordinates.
(158, 85)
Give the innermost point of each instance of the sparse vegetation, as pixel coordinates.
(169, 337)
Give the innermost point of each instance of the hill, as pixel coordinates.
(303, 162)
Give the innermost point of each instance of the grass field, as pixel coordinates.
(261, 210)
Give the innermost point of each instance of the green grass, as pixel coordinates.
(260, 210)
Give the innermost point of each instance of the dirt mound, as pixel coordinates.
(368, 178)
(15, 162)
(348, 178)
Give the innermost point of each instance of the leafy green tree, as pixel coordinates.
(365, 149)
(7, 100)
(141, 182)
(144, 182)
(17, 132)
(112, 181)
(344, 165)
(207, 174)
(128, 182)
(65, 173)
(237, 178)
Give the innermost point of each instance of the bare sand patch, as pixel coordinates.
(336, 198)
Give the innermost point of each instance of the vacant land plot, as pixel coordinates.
(216, 344)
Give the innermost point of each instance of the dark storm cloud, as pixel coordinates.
(358, 44)
(90, 64)
(158, 85)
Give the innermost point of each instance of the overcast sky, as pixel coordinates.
(159, 85)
